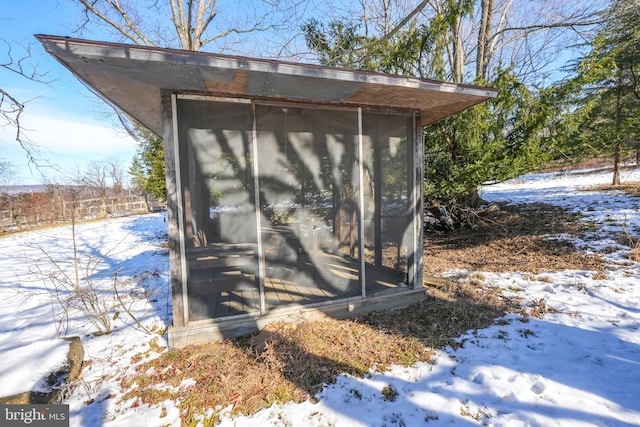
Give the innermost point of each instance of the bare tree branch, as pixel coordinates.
(529, 29)
(386, 36)
(11, 109)
(191, 21)
(128, 30)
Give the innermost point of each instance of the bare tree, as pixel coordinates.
(530, 35)
(378, 17)
(480, 36)
(115, 173)
(7, 173)
(101, 179)
(72, 282)
(103, 175)
(186, 24)
(77, 282)
(96, 179)
(12, 108)
(96, 175)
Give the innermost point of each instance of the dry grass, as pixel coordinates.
(449, 310)
(633, 242)
(632, 188)
(512, 238)
(594, 163)
(627, 238)
(284, 363)
(291, 362)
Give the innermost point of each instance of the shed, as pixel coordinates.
(294, 191)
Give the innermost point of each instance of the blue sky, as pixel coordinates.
(70, 125)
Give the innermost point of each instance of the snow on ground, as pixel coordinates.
(37, 271)
(579, 365)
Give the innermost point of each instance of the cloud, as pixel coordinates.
(68, 143)
(77, 138)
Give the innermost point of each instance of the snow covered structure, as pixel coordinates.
(294, 191)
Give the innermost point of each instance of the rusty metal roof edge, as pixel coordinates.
(57, 44)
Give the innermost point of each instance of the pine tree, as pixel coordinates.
(494, 141)
(148, 168)
(607, 86)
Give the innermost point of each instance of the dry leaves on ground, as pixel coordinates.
(291, 362)
(511, 238)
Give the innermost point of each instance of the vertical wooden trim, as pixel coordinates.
(418, 202)
(173, 228)
(379, 143)
(360, 161)
(256, 186)
(180, 209)
(412, 197)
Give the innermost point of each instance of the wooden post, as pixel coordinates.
(173, 194)
(377, 185)
(416, 168)
(360, 206)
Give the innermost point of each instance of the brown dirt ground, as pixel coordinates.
(290, 362)
(509, 238)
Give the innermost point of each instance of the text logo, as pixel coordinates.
(34, 415)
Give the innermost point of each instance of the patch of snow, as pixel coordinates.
(578, 365)
(26, 367)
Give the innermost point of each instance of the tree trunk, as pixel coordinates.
(458, 51)
(616, 163)
(618, 142)
(473, 200)
(484, 39)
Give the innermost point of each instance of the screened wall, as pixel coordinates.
(288, 204)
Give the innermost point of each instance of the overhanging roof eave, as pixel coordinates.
(133, 79)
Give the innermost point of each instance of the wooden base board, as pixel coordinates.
(204, 331)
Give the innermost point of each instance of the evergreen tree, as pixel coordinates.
(607, 89)
(492, 142)
(148, 167)
(495, 141)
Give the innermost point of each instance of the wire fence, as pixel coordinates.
(59, 205)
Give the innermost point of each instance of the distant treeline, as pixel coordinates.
(58, 204)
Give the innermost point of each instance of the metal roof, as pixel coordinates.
(134, 78)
